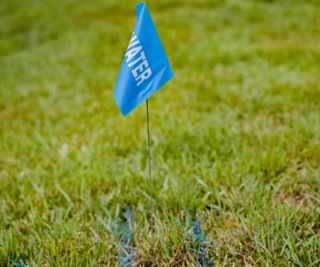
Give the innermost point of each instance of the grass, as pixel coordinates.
(235, 136)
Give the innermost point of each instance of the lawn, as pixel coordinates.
(235, 136)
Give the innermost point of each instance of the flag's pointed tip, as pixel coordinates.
(123, 113)
(140, 6)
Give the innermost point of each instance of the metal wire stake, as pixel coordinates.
(150, 184)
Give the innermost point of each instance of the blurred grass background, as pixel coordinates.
(235, 136)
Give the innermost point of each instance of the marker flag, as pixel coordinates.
(145, 68)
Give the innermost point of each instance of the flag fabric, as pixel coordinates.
(145, 68)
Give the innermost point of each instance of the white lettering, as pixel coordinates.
(132, 53)
(142, 57)
(140, 68)
(144, 76)
(135, 56)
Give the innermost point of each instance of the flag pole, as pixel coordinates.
(150, 183)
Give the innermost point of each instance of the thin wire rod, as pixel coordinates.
(150, 183)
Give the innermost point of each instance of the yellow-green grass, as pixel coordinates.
(235, 136)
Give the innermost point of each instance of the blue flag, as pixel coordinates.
(145, 68)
